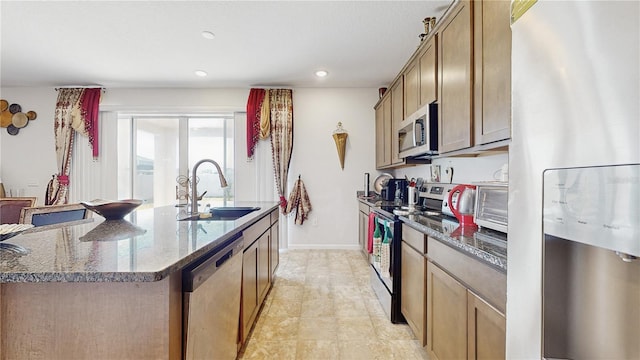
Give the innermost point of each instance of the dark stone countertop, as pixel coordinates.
(488, 246)
(148, 246)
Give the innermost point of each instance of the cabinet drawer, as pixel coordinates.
(253, 232)
(414, 238)
(482, 279)
(275, 216)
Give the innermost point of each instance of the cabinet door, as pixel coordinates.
(363, 227)
(397, 115)
(487, 330)
(380, 135)
(411, 88)
(446, 315)
(383, 133)
(263, 266)
(455, 80)
(492, 56)
(428, 73)
(413, 292)
(274, 258)
(249, 288)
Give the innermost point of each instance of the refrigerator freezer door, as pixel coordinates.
(595, 206)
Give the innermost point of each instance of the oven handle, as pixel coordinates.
(381, 216)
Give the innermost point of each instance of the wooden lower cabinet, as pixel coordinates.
(274, 258)
(446, 315)
(255, 281)
(264, 273)
(249, 289)
(363, 228)
(459, 323)
(487, 329)
(413, 291)
(259, 262)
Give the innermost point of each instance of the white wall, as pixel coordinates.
(248, 170)
(28, 159)
(465, 169)
(332, 191)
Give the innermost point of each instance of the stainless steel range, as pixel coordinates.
(385, 275)
(435, 197)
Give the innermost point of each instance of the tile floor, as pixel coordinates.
(321, 306)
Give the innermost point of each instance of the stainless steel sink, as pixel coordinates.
(224, 213)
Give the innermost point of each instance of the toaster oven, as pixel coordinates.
(491, 205)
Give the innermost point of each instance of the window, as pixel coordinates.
(159, 151)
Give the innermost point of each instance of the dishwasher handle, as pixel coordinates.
(196, 275)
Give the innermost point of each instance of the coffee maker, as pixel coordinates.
(389, 190)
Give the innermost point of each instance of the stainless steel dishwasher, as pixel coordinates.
(211, 303)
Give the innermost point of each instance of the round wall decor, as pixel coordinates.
(12, 117)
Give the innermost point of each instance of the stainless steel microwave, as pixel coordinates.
(418, 135)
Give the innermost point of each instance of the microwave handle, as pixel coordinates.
(415, 133)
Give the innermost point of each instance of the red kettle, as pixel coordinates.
(463, 207)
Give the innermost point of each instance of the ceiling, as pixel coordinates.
(140, 44)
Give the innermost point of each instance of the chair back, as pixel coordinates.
(66, 214)
(10, 208)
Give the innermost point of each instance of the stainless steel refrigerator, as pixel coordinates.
(575, 104)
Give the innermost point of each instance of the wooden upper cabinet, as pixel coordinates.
(380, 133)
(397, 115)
(420, 78)
(492, 54)
(411, 88)
(455, 79)
(428, 72)
(383, 132)
(386, 105)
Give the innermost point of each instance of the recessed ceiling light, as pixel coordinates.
(321, 73)
(208, 35)
(201, 73)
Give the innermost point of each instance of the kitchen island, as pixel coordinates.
(106, 289)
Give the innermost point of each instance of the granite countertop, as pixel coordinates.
(148, 245)
(486, 245)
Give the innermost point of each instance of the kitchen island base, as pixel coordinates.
(74, 320)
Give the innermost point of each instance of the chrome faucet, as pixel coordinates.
(194, 190)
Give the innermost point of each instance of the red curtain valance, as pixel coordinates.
(254, 109)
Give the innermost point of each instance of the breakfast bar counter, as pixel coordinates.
(107, 289)
(147, 245)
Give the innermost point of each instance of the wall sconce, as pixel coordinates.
(340, 137)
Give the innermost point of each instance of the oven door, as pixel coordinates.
(382, 257)
(385, 266)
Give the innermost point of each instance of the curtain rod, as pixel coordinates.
(80, 87)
